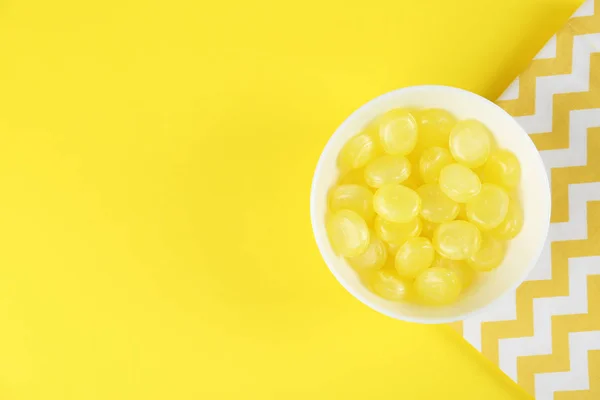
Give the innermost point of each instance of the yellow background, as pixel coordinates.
(155, 166)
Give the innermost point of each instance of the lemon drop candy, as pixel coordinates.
(352, 197)
(398, 132)
(396, 203)
(459, 182)
(465, 274)
(457, 240)
(373, 258)
(512, 224)
(348, 233)
(438, 286)
(435, 125)
(387, 169)
(357, 152)
(414, 256)
(432, 160)
(488, 209)
(387, 284)
(489, 256)
(503, 169)
(470, 143)
(435, 205)
(396, 233)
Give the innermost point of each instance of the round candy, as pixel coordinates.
(352, 197)
(432, 160)
(387, 169)
(398, 132)
(434, 127)
(387, 284)
(395, 232)
(396, 203)
(373, 258)
(414, 256)
(489, 256)
(457, 240)
(488, 209)
(348, 233)
(512, 224)
(470, 143)
(459, 182)
(503, 169)
(465, 273)
(435, 205)
(437, 286)
(414, 180)
(357, 152)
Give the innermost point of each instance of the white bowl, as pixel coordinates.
(523, 251)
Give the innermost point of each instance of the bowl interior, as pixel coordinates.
(523, 251)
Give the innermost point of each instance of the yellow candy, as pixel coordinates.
(457, 240)
(459, 182)
(437, 286)
(354, 177)
(428, 229)
(489, 256)
(387, 284)
(431, 163)
(348, 233)
(435, 205)
(352, 197)
(357, 152)
(397, 233)
(434, 127)
(470, 143)
(373, 258)
(398, 132)
(488, 209)
(396, 203)
(414, 256)
(503, 169)
(414, 180)
(512, 224)
(465, 273)
(462, 214)
(387, 169)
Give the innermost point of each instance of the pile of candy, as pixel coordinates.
(423, 204)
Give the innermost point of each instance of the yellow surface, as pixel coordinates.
(155, 163)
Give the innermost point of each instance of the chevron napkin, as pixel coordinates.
(546, 335)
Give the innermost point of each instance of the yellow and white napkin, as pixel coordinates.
(546, 336)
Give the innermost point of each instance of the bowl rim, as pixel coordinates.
(319, 228)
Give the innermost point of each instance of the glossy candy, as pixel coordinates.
(459, 182)
(398, 132)
(503, 168)
(512, 224)
(457, 240)
(436, 207)
(387, 169)
(489, 256)
(414, 256)
(488, 209)
(397, 233)
(352, 197)
(357, 152)
(432, 160)
(373, 258)
(387, 284)
(396, 203)
(470, 143)
(348, 233)
(465, 273)
(434, 127)
(438, 286)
